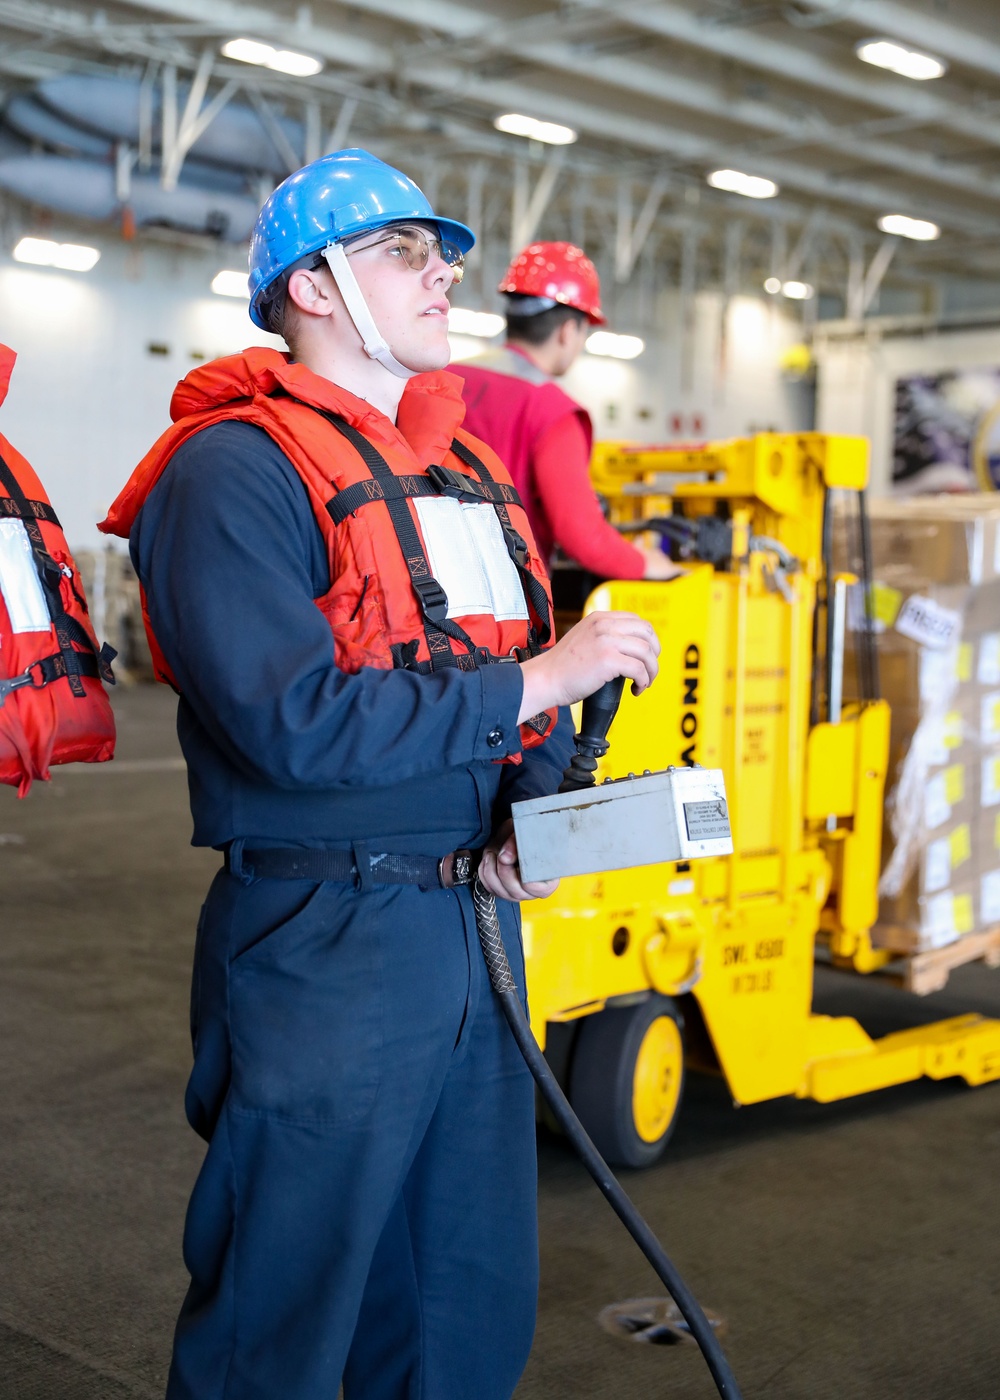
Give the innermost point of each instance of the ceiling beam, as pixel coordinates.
(357, 51)
(797, 64)
(674, 144)
(942, 37)
(530, 204)
(681, 90)
(649, 146)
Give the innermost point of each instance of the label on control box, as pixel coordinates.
(707, 821)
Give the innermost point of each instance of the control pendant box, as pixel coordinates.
(679, 814)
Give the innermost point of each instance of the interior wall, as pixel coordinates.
(99, 355)
(857, 377)
(721, 379)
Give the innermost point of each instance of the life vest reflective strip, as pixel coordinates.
(394, 491)
(53, 708)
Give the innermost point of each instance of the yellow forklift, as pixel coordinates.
(632, 974)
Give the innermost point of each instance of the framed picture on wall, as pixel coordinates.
(946, 432)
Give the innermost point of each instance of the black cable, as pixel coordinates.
(867, 583)
(827, 598)
(859, 642)
(488, 927)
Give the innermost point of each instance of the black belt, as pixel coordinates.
(384, 868)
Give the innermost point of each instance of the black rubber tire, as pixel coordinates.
(601, 1080)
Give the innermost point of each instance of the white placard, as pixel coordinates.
(989, 897)
(937, 808)
(989, 718)
(937, 865)
(937, 749)
(927, 622)
(466, 551)
(989, 785)
(938, 675)
(937, 920)
(22, 592)
(988, 660)
(942, 736)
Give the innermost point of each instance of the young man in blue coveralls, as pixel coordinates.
(365, 1213)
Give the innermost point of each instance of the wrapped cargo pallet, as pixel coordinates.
(936, 608)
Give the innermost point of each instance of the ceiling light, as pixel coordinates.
(43, 252)
(798, 291)
(753, 186)
(773, 285)
(230, 284)
(921, 229)
(619, 347)
(487, 324)
(908, 63)
(298, 65)
(550, 132)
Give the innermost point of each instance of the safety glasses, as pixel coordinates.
(414, 247)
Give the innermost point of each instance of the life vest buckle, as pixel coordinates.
(517, 546)
(433, 598)
(454, 484)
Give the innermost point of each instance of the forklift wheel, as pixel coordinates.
(627, 1078)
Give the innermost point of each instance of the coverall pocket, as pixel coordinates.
(305, 1005)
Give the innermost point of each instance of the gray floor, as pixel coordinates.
(852, 1249)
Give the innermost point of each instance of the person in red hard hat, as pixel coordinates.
(553, 298)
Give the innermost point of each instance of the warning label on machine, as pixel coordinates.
(707, 821)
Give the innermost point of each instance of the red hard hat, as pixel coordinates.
(559, 272)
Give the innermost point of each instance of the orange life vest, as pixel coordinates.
(53, 708)
(364, 477)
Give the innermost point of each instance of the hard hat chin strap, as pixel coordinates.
(376, 348)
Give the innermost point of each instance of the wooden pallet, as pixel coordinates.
(927, 972)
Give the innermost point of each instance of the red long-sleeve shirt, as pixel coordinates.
(543, 438)
(568, 513)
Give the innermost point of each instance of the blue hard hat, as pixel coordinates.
(329, 201)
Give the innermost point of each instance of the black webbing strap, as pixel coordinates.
(60, 664)
(404, 657)
(438, 627)
(516, 546)
(67, 629)
(438, 482)
(37, 510)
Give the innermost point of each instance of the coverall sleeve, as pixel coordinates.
(540, 771)
(562, 481)
(231, 558)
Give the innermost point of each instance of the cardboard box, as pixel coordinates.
(918, 922)
(986, 840)
(935, 539)
(935, 602)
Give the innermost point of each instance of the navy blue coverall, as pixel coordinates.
(366, 1208)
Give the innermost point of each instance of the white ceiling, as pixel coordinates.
(660, 93)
